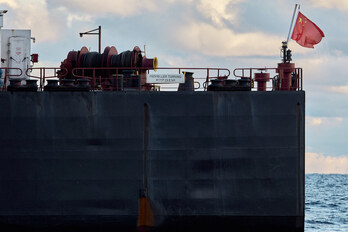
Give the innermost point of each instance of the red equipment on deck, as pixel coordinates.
(110, 58)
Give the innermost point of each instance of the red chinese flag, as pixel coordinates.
(305, 32)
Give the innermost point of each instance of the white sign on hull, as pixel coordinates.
(165, 78)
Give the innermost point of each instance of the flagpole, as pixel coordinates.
(292, 21)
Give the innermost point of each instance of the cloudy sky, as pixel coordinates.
(206, 33)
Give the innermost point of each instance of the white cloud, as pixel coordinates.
(316, 121)
(76, 17)
(323, 70)
(217, 38)
(339, 89)
(98, 8)
(318, 163)
(338, 4)
(10, 3)
(218, 11)
(210, 40)
(323, 121)
(173, 61)
(25, 14)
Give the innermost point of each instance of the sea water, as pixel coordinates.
(326, 203)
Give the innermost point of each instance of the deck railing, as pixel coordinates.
(110, 78)
(6, 75)
(46, 73)
(98, 76)
(275, 83)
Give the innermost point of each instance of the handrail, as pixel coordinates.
(79, 73)
(298, 73)
(43, 71)
(146, 69)
(10, 75)
(99, 74)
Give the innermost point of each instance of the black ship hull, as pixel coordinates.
(209, 160)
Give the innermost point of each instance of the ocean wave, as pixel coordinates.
(326, 202)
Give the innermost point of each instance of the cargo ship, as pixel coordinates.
(112, 142)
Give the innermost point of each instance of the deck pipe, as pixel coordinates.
(285, 70)
(261, 79)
